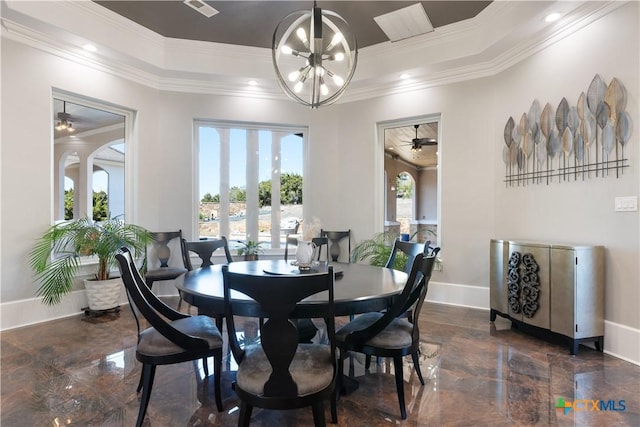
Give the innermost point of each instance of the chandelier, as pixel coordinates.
(64, 119)
(314, 55)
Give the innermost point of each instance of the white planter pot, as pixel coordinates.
(103, 294)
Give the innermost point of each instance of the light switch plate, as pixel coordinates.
(626, 204)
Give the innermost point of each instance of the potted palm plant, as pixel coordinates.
(55, 258)
(250, 249)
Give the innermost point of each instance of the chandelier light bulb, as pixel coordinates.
(70, 127)
(339, 56)
(302, 35)
(298, 87)
(286, 50)
(293, 76)
(337, 38)
(339, 81)
(319, 71)
(324, 90)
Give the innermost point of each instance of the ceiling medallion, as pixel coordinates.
(314, 55)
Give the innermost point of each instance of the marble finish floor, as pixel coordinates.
(83, 372)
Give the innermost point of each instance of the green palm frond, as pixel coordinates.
(55, 256)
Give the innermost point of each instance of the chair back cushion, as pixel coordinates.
(335, 237)
(161, 241)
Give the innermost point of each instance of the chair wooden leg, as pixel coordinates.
(416, 364)
(367, 362)
(140, 381)
(318, 414)
(334, 409)
(148, 373)
(245, 414)
(397, 364)
(217, 359)
(339, 382)
(205, 366)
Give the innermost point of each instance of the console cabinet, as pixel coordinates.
(555, 288)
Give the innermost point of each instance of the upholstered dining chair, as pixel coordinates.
(409, 250)
(204, 249)
(306, 328)
(172, 337)
(162, 240)
(390, 334)
(278, 372)
(335, 237)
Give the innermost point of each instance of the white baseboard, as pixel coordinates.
(460, 295)
(620, 341)
(16, 314)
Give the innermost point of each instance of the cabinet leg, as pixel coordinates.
(600, 344)
(492, 315)
(574, 344)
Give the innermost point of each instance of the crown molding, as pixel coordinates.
(454, 53)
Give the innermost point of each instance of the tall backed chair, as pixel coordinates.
(321, 242)
(335, 237)
(306, 328)
(278, 372)
(389, 334)
(161, 247)
(172, 337)
(204, 249)
(409, 250)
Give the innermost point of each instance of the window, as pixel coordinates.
(250, 181)
(93, 141)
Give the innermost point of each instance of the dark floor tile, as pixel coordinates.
(82, 371)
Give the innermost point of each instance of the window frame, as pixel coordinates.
(257, 126)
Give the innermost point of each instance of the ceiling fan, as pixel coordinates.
(417, 143)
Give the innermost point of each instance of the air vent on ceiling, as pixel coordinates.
(404, 23)
(201, 7)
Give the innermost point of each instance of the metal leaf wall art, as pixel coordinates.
(569, 142)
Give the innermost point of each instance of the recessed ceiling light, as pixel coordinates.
(252, 83)
(90, 48)
(553, 17)
(405, 76)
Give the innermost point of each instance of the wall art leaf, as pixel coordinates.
(508, 130)
(547, 123)
(562, 114)
(595, 93)
(616, 97)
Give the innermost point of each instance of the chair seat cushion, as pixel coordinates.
(153, 343)
(398, 334)
(311, 369)
(164, 273)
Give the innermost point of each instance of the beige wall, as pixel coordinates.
(345, 163)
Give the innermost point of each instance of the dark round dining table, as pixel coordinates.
(358, 288)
